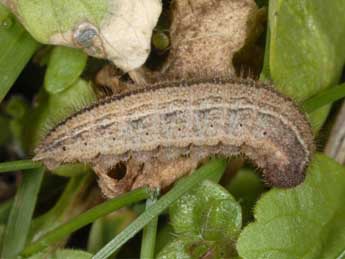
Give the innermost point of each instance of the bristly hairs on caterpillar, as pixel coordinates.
(62, 113)
(247, 72)
(205, 75)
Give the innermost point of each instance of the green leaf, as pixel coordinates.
(305, 51)
(317, 118)
(63, 254)
(209, 211)
(102, 28)
(16, 49)
(206, 220)
(45, 18)
(324, 97)
(192, 247)
(181, 187)
(19, 220)
(182, 249)
(303, 222)
(64, 68)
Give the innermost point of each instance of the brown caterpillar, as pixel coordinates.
(163, 131)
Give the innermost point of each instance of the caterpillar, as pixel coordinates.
(164, 130)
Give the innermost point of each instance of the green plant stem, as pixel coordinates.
(19, 165)
(324, 97)
(19, 220)
(214, 166)
(149, 233)
(86, 218)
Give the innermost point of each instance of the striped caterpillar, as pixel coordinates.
(163, 131)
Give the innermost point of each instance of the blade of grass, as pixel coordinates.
(76, 192)
(150, 231)
(16, 49)
(324, 97)
(19, 220)
(19, 165)
(216, 166)
(5, 209)
(86, 218)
